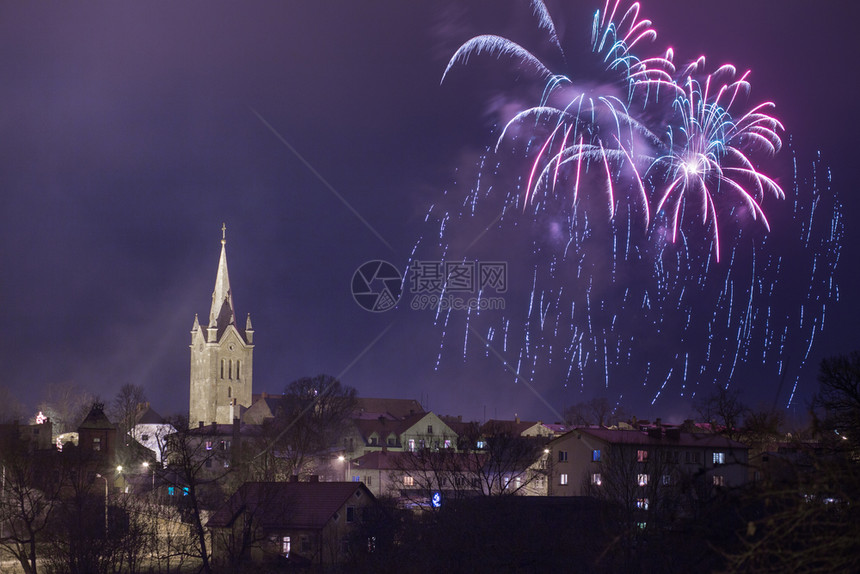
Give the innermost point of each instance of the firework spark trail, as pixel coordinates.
(625, 297)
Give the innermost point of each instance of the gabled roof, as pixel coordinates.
(289, 505)
(148, 416)
(395, 408)
(384, 427)
(643, 437)
(513, 428)
(96, 419)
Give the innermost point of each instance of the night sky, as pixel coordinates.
(131, 131)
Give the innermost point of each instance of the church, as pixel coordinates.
(222, 367)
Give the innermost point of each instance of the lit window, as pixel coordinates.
(208, 445)
(480, 444)
(595, 455)
(642, 479)
(97, 443)
(356, 478)
(642, 503)
(719, 480)
(411, 445)
(184, 491)
(447, 443)
(596, 480)
(170, 491)
(285, 546)
(563, 479)
(642, 456)
(719, 458)
(408, 481)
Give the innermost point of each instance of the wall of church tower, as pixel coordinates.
(221, 371)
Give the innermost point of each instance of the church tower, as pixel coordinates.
(221, 357)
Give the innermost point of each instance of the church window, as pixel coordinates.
(230, 369)
(222, 368)
(229, 392)
(237, 368)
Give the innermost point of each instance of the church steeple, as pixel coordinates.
(222, 313)
(222, 367)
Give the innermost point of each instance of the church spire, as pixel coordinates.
(221, 314)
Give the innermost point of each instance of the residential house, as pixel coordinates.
(151, 430)
(282, 523)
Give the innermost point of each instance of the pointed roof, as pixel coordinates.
(289, 505)
(221, 314)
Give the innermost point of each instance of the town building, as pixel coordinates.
(586, 458)
(290, 523)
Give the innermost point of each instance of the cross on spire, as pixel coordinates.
(223, 233)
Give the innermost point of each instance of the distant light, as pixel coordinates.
(119, 468)
(436, 501)
(145, 464)
(341, 458)
(41, 419)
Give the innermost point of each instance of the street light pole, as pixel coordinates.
(106, 502)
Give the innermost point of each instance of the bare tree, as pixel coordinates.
(26, 505)
(314, 415)
(597, 411)
(66, 404)
(199, 474)
(124, 409)
(724, 410)
(839, 399)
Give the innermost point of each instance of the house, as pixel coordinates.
(150, 429)
(585, 458)
(300, 523)
(413, 432)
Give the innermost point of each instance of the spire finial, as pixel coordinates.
(223, 233)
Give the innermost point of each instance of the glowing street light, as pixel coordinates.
(348, 469)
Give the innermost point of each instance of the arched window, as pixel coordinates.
(229, 392)
(222, 368)
(237, 369)
(230, 369)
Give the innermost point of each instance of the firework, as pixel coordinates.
(611, 283)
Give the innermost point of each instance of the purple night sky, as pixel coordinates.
(130, 131)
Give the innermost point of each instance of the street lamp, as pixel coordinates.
(342, 458)
(146, 465)
(106, 502)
